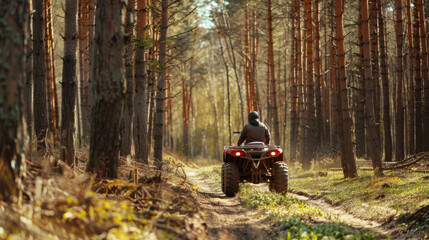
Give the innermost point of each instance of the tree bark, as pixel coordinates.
(294, 90)
(400, 74)
(374, 142)
(385, 80)
(273, 95)
(109, 98)
(411, 101)
(360, 106)
(12, 78)
(39, 77)
(141, 137)
(126, 128)
(418, 79)
(160, 93)
(317, 71)
(69, 84)
(344, 119)
(309, 118)
(425, 72)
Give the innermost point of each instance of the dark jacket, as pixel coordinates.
(254, 131)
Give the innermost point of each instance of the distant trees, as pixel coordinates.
(12, 78)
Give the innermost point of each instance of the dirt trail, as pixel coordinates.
(226, 217)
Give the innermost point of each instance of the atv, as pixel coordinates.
(256, 163)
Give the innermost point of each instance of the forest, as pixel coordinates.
(120, 119)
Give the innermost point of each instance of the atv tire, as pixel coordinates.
(230, 179)
(280, 181)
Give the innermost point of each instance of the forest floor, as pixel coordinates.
(184, 201)
(392, 207)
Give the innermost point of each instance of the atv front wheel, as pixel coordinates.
(230, 179)
(279, 182)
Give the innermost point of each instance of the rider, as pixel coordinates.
(254, 131)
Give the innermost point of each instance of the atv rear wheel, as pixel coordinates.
(230, 179)
(280, 181)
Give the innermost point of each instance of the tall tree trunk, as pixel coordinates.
(273, 95)
(375, 64)
(161, 85)
(51, 89)
(385, 80)
(28, 94)
(374, 143)
(360, 108)
(13, 132)
(126, 128)
(294, 94)
(400, 74)
(39, 77)
(141, 135)
(344, 119)
(86, 16)
(109, 99)
(418, 78)
(411, 101)
(309, 140)
(317, 71)
(333, 82)
(69, 84)
(185, 113)
(247, 60)
(425, 72)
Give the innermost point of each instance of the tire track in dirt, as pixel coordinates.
(226, 217)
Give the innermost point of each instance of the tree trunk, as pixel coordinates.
(344, 119)
(375, 64)
(309, 118)
(360, 108)
(411, 101)
(385, 80)
(332, 85)
(418, 79)
(294, 94)
(273, 95)
(317, 71)
(425, 72)
(69, 85)
(13, 132)
(141, 135)
(39, 77)
(109, 99)
(126, 129)
(86, 24)
(374, 142)
(400, 74)
(158, 130)
(51, 89)
(28, 94)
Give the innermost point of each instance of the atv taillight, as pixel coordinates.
(237, 153)
(273, 153)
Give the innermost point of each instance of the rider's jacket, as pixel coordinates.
(254, 131)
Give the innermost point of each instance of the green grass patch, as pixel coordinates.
(377, 198)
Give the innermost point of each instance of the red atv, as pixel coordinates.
(256, 163)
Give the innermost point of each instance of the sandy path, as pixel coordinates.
(226, 217)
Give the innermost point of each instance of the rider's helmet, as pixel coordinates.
(253, 115)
